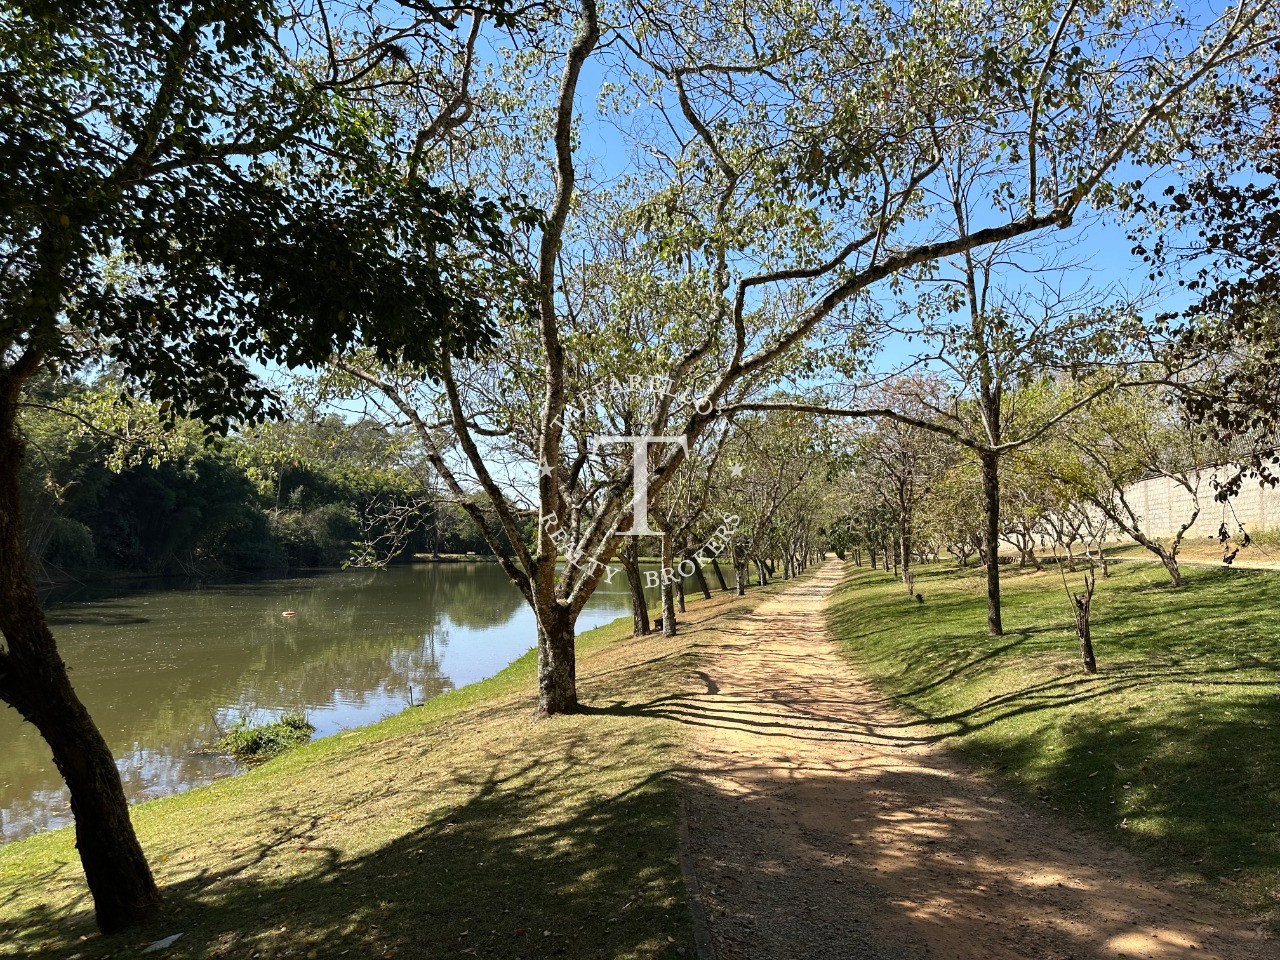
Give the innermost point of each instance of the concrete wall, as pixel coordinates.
(1164, 505)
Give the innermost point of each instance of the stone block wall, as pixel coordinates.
(1164, 505)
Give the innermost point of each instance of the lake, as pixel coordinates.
(162, 670)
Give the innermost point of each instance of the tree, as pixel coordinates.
(775, 472)
(682, 509)
(952, 511)
(175, 195)
(1131, 436)
(995, 390)
(1219, 235)
(1082, 611)
(781, 161)
(901, 461)
(1023, 170)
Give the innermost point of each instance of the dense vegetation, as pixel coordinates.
(109, 492)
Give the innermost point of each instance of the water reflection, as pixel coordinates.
(163, 670)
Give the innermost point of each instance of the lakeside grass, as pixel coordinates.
(467, 826)
(1173, 749)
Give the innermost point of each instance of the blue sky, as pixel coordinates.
(1102, 246)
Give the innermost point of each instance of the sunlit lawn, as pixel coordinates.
(1173, 748)
(465, 827)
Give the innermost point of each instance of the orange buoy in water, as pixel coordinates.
(289, 613)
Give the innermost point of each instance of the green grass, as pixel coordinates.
(1263, 551)
(465, 827)
(255, 742)
(1173, 749)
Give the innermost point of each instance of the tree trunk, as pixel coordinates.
(701, 577)
(1027, 548)
(668, 588)
(715, 567)
(124, 892)
(630, 557)
(1169, 558)
(991, 538)
(557, 670)
(1086, 650)
(1084, 606)
(904, 546)
(34, 681)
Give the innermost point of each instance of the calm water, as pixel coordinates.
(162, 670)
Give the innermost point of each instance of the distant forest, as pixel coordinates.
(108, 491)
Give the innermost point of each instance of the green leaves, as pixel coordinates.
(173, 195)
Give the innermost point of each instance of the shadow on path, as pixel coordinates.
(823, 825)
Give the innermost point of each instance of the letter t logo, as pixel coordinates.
(640, 470)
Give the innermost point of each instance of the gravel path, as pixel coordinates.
(819, 828)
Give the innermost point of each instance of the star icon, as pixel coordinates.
(545, 469)
(736, 469)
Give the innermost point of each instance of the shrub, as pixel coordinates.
(250, 741)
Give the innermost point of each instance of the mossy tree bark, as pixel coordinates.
(557, 670)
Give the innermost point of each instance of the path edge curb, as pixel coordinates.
(702, 942)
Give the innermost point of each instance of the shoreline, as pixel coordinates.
(234, 575)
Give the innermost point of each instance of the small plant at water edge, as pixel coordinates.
(258, 741)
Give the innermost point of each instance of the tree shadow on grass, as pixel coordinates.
(1179, 758)
(523, 866)
(481, 833)
(1195, 787)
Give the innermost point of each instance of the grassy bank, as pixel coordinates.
(1173, 749)
(464, 827)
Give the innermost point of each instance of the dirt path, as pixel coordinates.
(817, 832)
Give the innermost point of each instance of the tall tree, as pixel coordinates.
(175, 195)
(781, 164)
(1218, 235)
(1021, 148)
